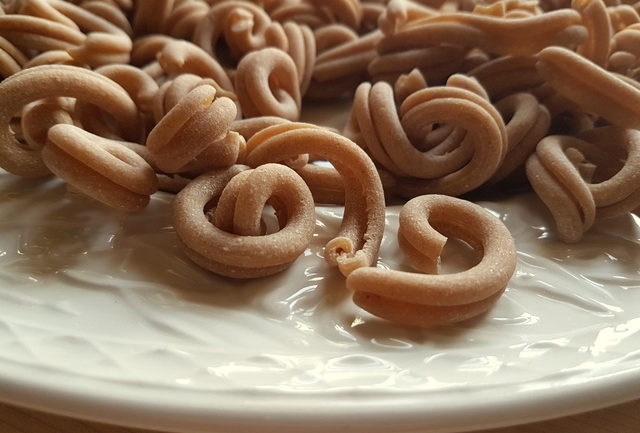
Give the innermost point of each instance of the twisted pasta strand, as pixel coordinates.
(562, 169)
(100, 168)
(428, 300)
(34, 84)
(233, 244)
(267, 84)
(358, 241)
(195, 128)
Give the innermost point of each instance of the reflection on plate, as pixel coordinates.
(102, 316)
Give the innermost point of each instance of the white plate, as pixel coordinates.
(103, 317)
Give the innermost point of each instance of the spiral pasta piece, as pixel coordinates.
(591, 87)
(196, 127)
(527, 122)
(110, 12)
(358, 241)
(562, 169)
(244, 26)
(266, 83)
(462, 154)
(105, 43)
(100, 168)
(34, 84)
(429, 300)
(233, 244)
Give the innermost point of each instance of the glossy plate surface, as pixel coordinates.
(102, 316)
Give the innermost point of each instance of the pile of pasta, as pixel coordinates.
(122, 98)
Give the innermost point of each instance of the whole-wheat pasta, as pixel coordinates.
(358, 241)
(34, 84)
(267, 84)
(197, 122)
(592, 88)
(232, 244)
(100, 168)
(428, 300)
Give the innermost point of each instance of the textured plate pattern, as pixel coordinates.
(89, 294)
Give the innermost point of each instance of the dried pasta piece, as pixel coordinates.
(358, 241)
(142, 90)
(527, 122)
(267, 84)
(339, 69)
(591, 87)
(579, 178)
(196, 128)
(249, 127)
(495, 35)
(439, 299)
(232, 243)
(33, 33)
(244, 26)
(596, 19)
(12, 60)
(184, 18)
(302, 49)
(461, 154)
(34, 84)
(100, 168)
(110, 12)
(181, 57)
(37, 117)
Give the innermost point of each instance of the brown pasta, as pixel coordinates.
(457, 158)
(232, 242)
(35, 84)
(267, 84)
(428, 300)
(591, 87)
(100, 168)
(358, 241)
(244, 26)
(196, 131)
(496, 35)
(578, 180)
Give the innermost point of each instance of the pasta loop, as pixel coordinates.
(231, 242)
(358, 241)
(437, 299)
(100, 168)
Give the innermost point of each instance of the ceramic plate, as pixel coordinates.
(103, 317)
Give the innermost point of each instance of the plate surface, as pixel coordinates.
(103, 317)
